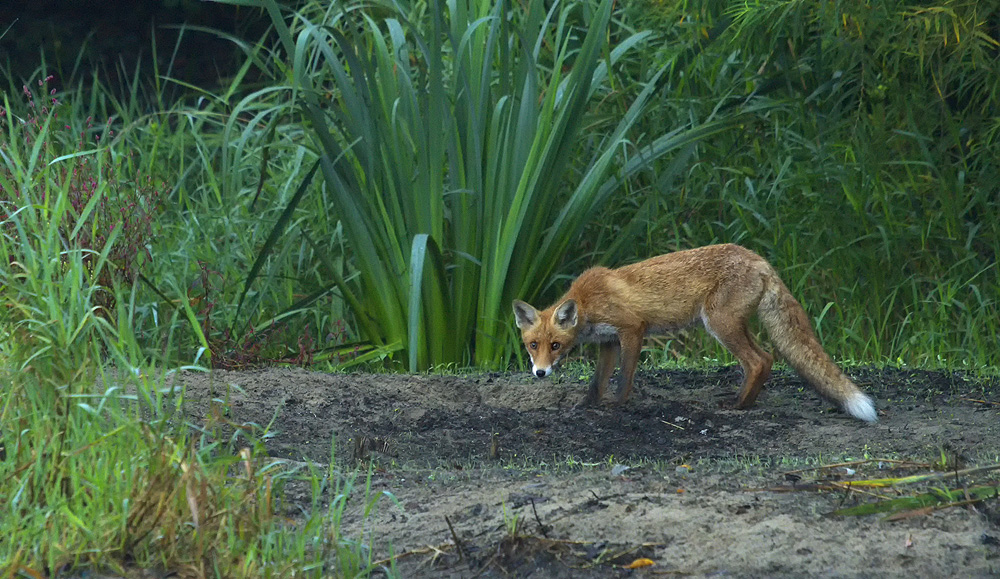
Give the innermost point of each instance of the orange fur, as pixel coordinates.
(720, 286)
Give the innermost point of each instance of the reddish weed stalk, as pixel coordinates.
(127, 205)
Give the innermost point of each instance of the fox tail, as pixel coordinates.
(792, 335)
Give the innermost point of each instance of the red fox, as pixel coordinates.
(718, 285)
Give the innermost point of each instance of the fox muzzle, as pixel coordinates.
(541, 372)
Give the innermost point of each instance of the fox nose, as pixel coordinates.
(540, 373)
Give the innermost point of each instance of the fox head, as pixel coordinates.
(547, 335)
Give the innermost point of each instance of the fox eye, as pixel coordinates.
(556, 345)
(533, 345)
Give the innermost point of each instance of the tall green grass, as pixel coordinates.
(101, 471)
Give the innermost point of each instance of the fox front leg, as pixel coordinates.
(606, 361)
(631, 346)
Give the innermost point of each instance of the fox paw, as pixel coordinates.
(730, 404)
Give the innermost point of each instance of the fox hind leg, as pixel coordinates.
(752, 385)
(730, 328)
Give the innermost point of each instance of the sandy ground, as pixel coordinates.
(535, 488)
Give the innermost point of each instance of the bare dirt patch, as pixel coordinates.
(487, 450)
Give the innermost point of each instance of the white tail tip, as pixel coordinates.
(861, 407)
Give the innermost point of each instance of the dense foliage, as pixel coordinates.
(411, 168)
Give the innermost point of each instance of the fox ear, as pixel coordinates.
(565, 316)
(524, 315)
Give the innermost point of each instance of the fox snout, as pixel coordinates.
(541, 372)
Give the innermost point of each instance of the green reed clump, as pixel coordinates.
(449, 143)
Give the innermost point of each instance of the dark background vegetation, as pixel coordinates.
(116, 36)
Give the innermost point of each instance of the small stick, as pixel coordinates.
(980, 401)
(458, 543)
(541, 527)
(928, 510)
(847, 487)
(857, 462)
(429, 549)
(803, 488)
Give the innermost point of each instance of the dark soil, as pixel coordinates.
(483, 451)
